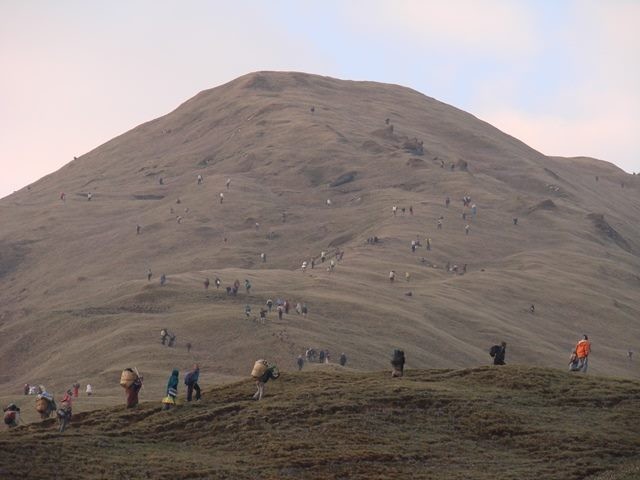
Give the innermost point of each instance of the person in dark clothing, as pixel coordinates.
(397, 362)
(206, 283)
(321, 356)
(263, 315)
(498, 352)
(11, 415)
(191, 381)
(172, 390)
(300, 362)
(343, 359)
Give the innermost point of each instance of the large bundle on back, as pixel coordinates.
(259, 368)
(127, 378)
(42, 404)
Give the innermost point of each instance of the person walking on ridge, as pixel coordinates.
(191, 381)
(583, 349)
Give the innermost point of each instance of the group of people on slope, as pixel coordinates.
(578, 361)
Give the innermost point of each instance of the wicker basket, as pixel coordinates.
(259, 368)
(42, 405)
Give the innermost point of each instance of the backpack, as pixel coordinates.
(188, 378)
(494, 350)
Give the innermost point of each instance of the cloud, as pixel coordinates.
(595, 109)
(495, 28)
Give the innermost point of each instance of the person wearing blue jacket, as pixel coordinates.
(191, 381)
(172, 390)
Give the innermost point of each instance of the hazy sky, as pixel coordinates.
(563, 76)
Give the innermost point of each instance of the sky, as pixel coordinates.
(562, 76)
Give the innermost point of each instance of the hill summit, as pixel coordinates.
(315, 165)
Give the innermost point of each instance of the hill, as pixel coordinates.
(482, 423)
(76, 304)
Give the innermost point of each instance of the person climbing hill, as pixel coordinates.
(583, 349)
(169, 401)
(132, 383)
(11, 415)
(498, 352)
(263, 372)
(191, 381)
(397, 362)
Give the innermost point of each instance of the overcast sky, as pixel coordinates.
(563, 76)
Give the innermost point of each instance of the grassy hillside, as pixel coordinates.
(482, 423)
(75, 303)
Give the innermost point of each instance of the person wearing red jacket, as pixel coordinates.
(583, 349)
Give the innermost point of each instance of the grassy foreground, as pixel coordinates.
(331, 423)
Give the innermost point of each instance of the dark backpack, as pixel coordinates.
(494, 350)
(188, 378)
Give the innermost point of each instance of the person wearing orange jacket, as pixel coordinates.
(583, 348)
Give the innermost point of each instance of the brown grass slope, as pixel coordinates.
(75, 303)
(482, 423)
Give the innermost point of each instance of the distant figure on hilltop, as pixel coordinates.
(343, 359)
(138, 229)
(11, 415)
(199, 178)
(63, 197)
(163, 279)
(392, 276)
(447, 201)
(191, 381)
(498, 352)
(217, 283)
(89, 196)
(583, 349)
(300, 362)
(149, 275)
(172, 390)
(263, 257)
(515, 220)
(263, 372)
(206, 283)
(228, 183)
(132, 383)
(397, 362)
(221, 197)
